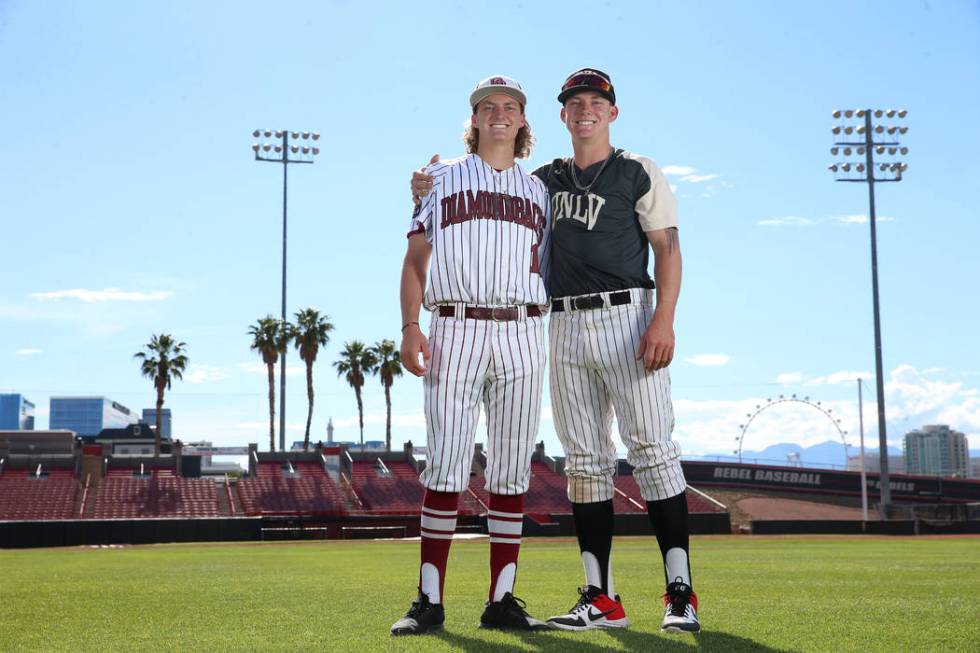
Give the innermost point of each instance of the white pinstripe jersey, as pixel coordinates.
(489, 233)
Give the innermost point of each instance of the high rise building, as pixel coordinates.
(150, 418)
(16, 413)
(87, 416)
(937, 450)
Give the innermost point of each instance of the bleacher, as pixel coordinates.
(475, 500)
(25, 496)
(629, 487)
(307, 490)
(383, 488)
(547, 494)
(158, 493)
(393, 489)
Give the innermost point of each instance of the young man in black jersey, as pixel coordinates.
(611, 340)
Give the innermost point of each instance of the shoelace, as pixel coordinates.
(518, 603)
(583, 600)
(680, 598)
(418, 607)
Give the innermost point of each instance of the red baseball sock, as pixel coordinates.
(504, 522)
(438, 525)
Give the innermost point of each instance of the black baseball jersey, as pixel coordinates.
(598, 242)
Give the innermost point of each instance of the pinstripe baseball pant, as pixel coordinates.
(594, 373)
(501, 364)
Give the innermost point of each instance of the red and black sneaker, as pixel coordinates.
(681, 609)
(593, 610)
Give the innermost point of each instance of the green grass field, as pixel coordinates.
(757, 594)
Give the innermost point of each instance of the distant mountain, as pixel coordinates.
(825, 453)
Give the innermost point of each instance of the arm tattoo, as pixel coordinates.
(673, 240)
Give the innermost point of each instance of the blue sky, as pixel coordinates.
(130, 203)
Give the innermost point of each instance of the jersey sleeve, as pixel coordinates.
(656, 206)
(542, 173)
(422, 216)
(544, 239)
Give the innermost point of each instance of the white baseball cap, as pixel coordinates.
(497, 84)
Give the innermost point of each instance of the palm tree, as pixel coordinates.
(310, 332)
(162, 360)
(354, 361)
(388, 366)
(269, 339)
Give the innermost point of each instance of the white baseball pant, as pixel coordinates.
(500, 364)
(594, 373)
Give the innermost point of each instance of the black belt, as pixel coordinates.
(495, 313)
(591, 301)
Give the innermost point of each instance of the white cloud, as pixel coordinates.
(709, 360)
(697, 179)
(963, 417)
(789, 220)
(200, 373)
(105, 295)
(838, 378)
(27, 351)
(912, 400)
(909, 394)
(95, 321)
(673, 188)
(796, 221)
(678, 170)
(789, 378)
(860, 219)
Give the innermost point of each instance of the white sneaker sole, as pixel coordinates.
(595, 625)
(681, 629)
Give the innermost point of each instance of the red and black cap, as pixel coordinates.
(588, 79)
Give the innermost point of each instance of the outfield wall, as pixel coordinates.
(904, 487)
(852, 527)
(94, 532)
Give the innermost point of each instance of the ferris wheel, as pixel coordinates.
(761, 408)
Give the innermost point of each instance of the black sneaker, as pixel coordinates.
(681, 609)
(422, 617)
(508, 614)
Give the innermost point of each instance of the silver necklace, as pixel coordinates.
(585, 189)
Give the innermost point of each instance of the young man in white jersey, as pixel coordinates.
(477, 246)
(610, 347)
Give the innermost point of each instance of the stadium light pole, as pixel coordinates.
(272, 146)
(856, 135)
(864, 477)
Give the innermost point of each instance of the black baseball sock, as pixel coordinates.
(594, 524)
(669, 520)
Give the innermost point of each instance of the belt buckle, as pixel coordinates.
(590, 302)
(493, 314)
